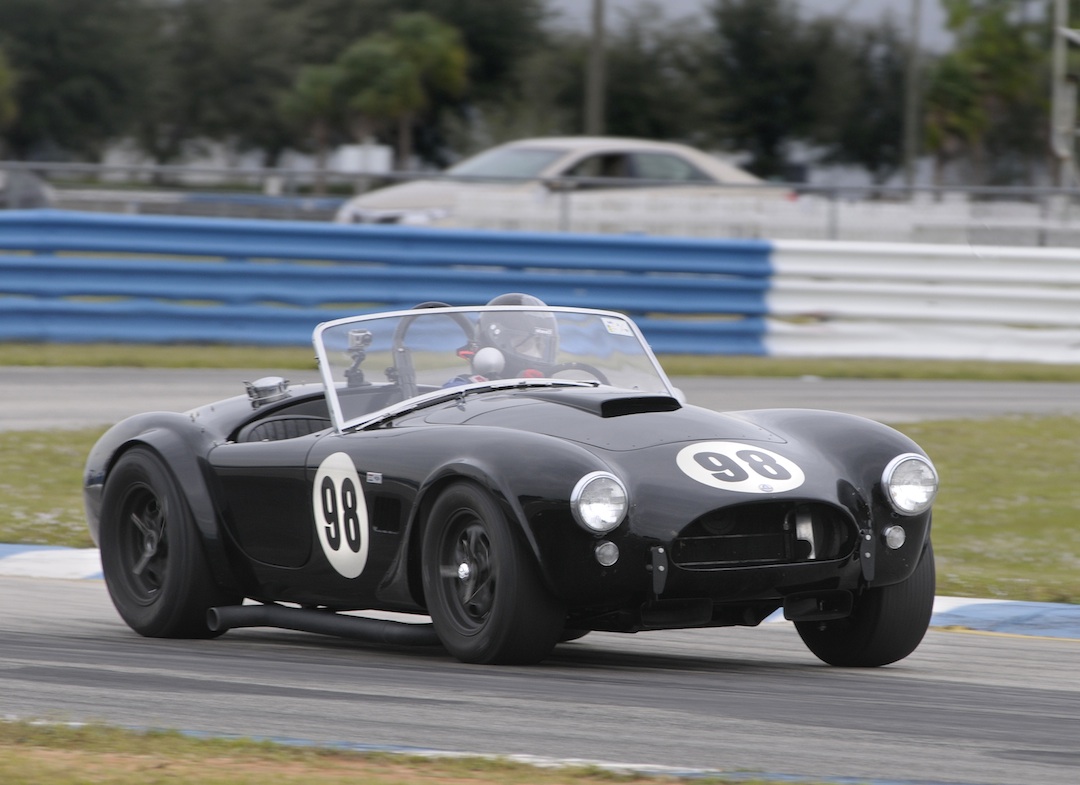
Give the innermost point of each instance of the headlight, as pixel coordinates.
(911, 483)
(599, 502)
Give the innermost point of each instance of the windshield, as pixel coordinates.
(384, 362)
(507, 162)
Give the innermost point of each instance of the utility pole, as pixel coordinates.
(594, 74)
(911, 97)
(1063, 97)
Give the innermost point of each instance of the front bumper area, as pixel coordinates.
(739, 565)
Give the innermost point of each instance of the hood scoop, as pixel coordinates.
(606, 403)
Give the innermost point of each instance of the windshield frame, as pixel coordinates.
(386, 413)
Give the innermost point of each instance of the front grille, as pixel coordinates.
(765, 533)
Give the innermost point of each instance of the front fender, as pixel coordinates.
(859, 449)
(183, 447)
(524, 490)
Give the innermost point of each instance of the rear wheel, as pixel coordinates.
(151, 555)
(482, 585)
(887, 624)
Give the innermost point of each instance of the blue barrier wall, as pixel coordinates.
(82, 277)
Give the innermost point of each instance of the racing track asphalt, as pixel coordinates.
(37, 398)
(963, 708)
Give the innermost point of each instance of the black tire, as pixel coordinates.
(153, 562)
(482, 585)
(888, 623)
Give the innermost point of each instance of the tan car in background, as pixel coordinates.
(537, 174)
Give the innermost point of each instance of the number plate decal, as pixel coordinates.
(341, 518)
(744, 468)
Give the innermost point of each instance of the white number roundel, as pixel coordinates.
(734, 466)
(341, 518)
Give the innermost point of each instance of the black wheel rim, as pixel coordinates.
(466, 572)
(143, 544)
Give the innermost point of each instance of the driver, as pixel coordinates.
(523, 343)
(512, 344)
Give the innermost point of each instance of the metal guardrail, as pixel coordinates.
(78, 277)
(954, 302)
(184, 279)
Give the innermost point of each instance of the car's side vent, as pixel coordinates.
(765, 533)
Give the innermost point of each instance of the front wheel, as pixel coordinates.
(483, 588)
(886, 625)
(151, 555)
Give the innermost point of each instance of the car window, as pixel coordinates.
(514, 162)
(606, 165)
(637, 166)
(661, 166)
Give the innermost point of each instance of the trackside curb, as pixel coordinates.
(1043, 619)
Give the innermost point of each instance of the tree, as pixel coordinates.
(653, 90)
(498, 34)
(247, 65)
(760, 69)
(653, 87)
(323, 29)
(392, 77)
(955, 117)
(9, 108)
(314, 105)
(858, 107)
(80, 67)
(995, 74)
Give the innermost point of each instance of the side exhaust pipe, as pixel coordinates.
(322, 622)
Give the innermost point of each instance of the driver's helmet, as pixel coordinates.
(527, 340)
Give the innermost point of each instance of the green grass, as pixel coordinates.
(1005, 520)
(51, 754)
(40, 487)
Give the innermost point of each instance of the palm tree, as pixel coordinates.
(313, 104)
(9, 108)
(391, 77)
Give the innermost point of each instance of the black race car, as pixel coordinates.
(522, 474)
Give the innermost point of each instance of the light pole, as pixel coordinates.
(1063, 97)
(594, 74)
(911, 97)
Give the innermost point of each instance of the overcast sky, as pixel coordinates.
(933, 34)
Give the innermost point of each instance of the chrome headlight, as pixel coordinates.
(911, 483)
(599, 502)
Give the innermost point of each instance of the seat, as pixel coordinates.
(282, 426)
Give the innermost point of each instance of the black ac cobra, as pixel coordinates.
(522, 475)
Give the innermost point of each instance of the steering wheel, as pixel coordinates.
(403, 372)
(576, 366)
